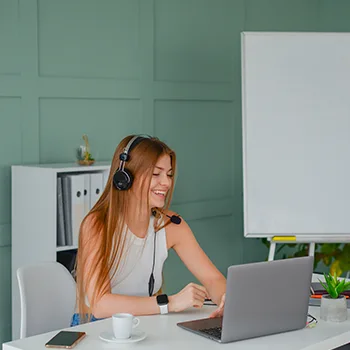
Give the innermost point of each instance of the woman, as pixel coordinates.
(124, 240)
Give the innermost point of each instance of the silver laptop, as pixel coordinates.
(261, 299)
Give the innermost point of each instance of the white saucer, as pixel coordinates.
(135, 337)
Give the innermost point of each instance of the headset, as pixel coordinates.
(123, 178)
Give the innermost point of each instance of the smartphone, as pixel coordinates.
(65, 339)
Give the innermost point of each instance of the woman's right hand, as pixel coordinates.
(192, 295)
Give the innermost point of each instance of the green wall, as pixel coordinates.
(165, 67)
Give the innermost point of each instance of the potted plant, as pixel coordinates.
(333, 304)
(83, 153)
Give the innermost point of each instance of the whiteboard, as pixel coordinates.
(296, 134)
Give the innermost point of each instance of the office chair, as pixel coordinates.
(47, 296)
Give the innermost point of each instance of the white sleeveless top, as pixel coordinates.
(135, 268)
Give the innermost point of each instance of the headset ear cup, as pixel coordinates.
(122, 179)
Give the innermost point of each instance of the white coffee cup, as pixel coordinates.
(123, 325)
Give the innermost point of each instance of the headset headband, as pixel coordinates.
(133, 142)
(124, 157)
(130, 143)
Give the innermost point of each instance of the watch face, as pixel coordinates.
(162, 299)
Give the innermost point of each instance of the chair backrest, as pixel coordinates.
(48, 297)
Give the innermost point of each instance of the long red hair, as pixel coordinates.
(102, 230)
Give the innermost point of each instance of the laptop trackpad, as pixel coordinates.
(204, 323)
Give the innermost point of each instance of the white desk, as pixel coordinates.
(163, 333)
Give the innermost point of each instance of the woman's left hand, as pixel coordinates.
(220, 310)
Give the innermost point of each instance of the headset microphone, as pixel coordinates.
(174, 219)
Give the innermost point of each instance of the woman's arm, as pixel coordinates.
(182, 240)
(106, 304)
(110, 304)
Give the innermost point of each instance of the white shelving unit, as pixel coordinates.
(34, 218)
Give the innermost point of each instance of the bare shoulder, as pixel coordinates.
(175, 232)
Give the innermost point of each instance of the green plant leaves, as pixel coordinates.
(334, 286)
(329, 248)
(326, 260)
(335, 268)
(340, 287)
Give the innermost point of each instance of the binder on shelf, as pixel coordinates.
(80, 193)
(105, 177)
(66, 190)
(73, 206)
(96, 187)
(77, 204)
(87, 206)
(61, 239)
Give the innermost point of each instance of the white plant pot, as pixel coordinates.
(333, 310)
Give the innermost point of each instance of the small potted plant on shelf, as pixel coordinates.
(333, 304)
(83, 153)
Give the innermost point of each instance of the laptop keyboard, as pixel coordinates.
(214, 332)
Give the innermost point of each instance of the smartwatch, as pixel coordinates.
(163, 301)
